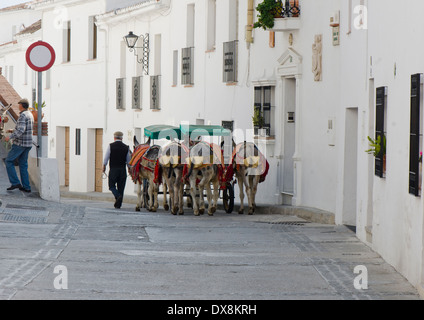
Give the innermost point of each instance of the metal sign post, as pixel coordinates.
(40, 57)
(40, 114)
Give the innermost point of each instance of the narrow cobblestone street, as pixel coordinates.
(122, 254)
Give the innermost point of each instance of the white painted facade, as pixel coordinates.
(316, 161)
(14, 21)
(13, 65)
(389, 219)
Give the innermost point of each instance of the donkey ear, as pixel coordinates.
(136, 143)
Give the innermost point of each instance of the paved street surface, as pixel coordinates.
(81, 249)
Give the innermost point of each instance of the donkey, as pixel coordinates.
(172, 164)
(142, 167)
(205, 165)
(251, 168)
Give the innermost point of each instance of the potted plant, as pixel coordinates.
(258, 120)
(34, 110)
(268, 10)
(378, 148)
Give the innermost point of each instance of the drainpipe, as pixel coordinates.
(104, 28)
(249, 26)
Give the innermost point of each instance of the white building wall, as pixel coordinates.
(398, 216)
(14, 21)
(389, 219)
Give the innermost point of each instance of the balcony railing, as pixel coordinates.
(287, 17)
(288, 9)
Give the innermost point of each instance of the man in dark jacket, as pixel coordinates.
(118, 155)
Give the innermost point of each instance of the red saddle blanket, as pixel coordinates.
(140, 162)
(237, 160)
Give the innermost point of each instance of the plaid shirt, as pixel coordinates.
(22, 135)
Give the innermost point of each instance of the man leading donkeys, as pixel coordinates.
(118, 155)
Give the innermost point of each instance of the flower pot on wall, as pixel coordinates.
(35, 115)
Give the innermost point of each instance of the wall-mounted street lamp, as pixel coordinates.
(131, 40)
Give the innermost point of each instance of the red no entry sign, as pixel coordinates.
(40, 56)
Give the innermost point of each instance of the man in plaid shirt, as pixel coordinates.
(22, 144)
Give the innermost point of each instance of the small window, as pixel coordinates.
(120, 94)
(211, 25)
(416, 135)
(230, 63)
(191, 12)
(175, 68)
(187, 77)
(67, 41)
(78, 142)
(380, 130)
(233, 22)
(155, 92)
(136, 92)
(92, 41)
(263, 102)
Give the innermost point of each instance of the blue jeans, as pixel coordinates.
(20, 153)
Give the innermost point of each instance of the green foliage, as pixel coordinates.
(377, 146)
(257, 119)
(268, 9)
(36, 105)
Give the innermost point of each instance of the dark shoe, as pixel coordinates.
(25, 190)
(16, 186)
(118, 202)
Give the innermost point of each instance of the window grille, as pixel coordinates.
(380, 129)
(263, 102)
(120, 93)
(415, 136)
(155, 92)
(187, 66)
(230, 61)
(136, 92)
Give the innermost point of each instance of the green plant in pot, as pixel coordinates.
(377, 146)
(268, 10)
(34, 110)
(257, 119)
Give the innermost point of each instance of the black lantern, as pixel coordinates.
(131, 40)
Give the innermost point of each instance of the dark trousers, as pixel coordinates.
(117, 180)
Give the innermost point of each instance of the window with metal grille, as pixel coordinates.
(380, 130)
(155, 92)
(136, 92)
(416, 133)
(187, 66)
(288, 9)
(230, 61)
(263, 103)
(120, 93)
